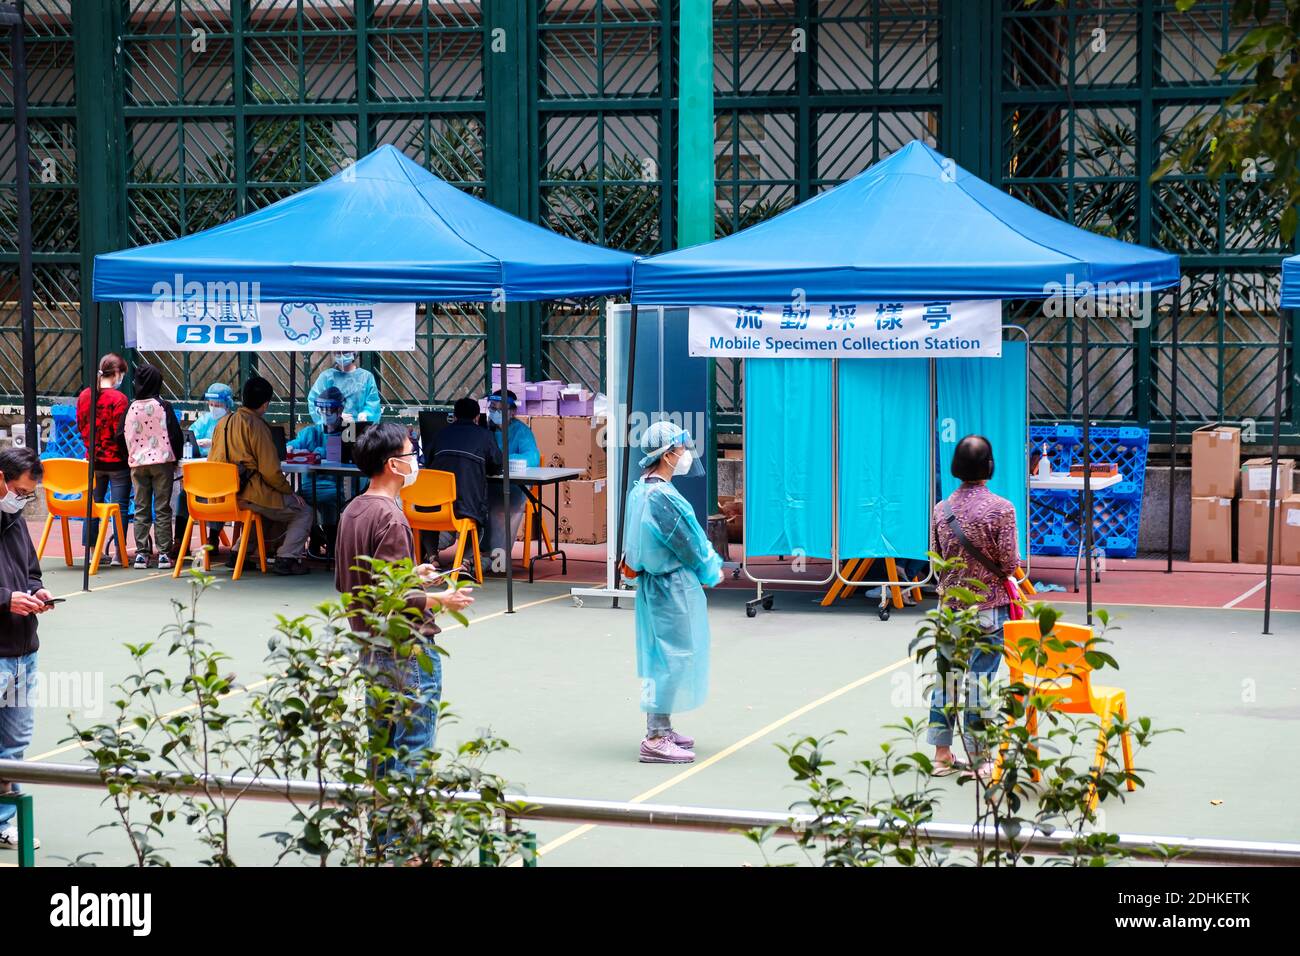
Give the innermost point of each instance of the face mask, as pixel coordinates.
(494, 416)
(331, 419)
(683, 464)
(343, 359)
(11, 503)
(409, 478)
(217, 412)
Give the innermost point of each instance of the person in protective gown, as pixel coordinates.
(221, 402)
(361, 402)
(520, 443)
(322, 491)
(673, 561)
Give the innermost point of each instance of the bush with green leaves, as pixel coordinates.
(1041, 785)
(321, 718)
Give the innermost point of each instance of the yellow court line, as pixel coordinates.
(262, 683)
(728, 751)
(119, 584)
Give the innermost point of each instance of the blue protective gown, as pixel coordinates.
(675, 561)
(523, 443)
(203, 427)
(360, 394)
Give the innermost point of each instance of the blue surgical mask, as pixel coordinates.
(332, 419)
(343, 359)
(494, 416)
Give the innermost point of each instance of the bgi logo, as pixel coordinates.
(75, 909)
(218, 335)
(301, 321)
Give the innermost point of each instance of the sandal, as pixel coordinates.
(948, 768)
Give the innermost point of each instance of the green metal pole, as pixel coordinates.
(26, 831)
(695, 187)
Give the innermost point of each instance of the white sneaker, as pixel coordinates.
(9, 838)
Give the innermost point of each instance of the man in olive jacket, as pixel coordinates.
(22, 597)
(243, 438)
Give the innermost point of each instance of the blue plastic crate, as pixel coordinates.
(1117, 511)
(65, 438)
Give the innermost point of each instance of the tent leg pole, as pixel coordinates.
(1085, 518)
(625, 433)
(1282, 319)
(90, 451)
(293, 391)
(508, 546)
(1173, 423)
(22, 177)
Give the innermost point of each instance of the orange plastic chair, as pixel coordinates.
(1066, 677)
(533, 513)
(210, 489)
(67, 476)
(429, 506)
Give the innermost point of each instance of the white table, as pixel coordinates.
(1064, 481)
(531, 478)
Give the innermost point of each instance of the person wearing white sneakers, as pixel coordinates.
(672, 561)
(22, 597)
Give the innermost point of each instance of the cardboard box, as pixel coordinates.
(514, 379)
(1216, 457)
(1290, 506)
(734, 453)
(550, 389)
(582, 512)
(1252, 531)
(543, 406)
(572, 442)
(576, 407)
(1255, 473)
(1211, 532)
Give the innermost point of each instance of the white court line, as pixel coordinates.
(1241, 597)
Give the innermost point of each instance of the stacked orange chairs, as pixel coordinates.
(210, 492)
(429, 505)
(67, 476)
(1066, 677)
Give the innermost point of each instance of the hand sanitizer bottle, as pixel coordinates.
(1044, 464)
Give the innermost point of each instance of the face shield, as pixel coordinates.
(665, 438)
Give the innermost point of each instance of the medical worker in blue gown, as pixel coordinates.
(361, 401)
(322, 491)
(220, 404)
(673, 562)
(521, 443)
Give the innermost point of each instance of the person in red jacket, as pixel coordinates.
(112, 473)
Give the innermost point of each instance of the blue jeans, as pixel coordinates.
(983, 667)
(114, 486)
(17, 716)
(414, 736)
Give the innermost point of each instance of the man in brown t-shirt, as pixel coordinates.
(373, 525)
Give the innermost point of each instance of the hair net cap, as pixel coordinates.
(660, 437)
(331, 397)
(220, 392)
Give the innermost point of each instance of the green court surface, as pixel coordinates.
(558, 682)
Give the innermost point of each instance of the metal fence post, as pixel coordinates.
(26, 832)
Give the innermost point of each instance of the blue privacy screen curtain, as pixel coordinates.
(788, 457)
(985, 396)
(884, 458)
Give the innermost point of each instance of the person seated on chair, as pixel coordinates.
(521, 443)
(322, 491)
(471, 453)
(978, 527)
(361, 401)
(244, 440)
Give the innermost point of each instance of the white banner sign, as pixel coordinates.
(238, 325)
(853, 330)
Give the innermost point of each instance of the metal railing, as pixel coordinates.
(656, 816)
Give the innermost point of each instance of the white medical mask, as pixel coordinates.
(12, 503)
(343, 359)
(683, 464)
(494, 416)
(409, 478)
(217, 412)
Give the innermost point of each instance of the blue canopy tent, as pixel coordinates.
(1289, 299)
(915, 226)
(382, 230)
